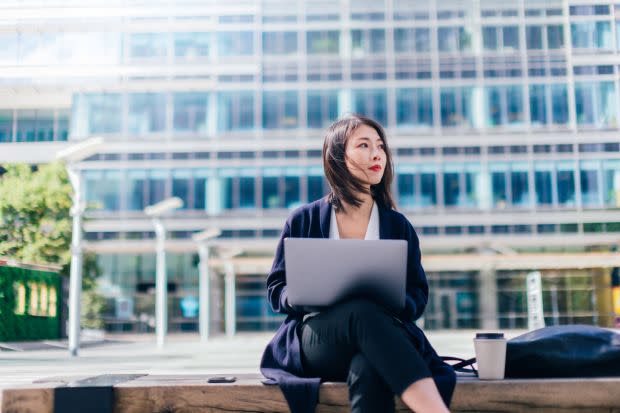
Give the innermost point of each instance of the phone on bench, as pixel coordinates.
(222, 379)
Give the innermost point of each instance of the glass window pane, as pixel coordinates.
(315, 187)
(428, 189)
(590, 187)
(323, 42)
(271, 192)
(322, 107)
(279, 43)
(533, 36)
(137, 183)
(96, 113)
(406, 190)
(520, 188)
(566, 187)
(180, 186)
(147, 45)
(543, 187)
(6, 125)
(147, 113)
(414, 107)
(235, 110)
(555, 36)
(538, 112)
(422, 40)
(489, 37)
(511, 37)
(247, 192)
(280, 110)
(500, 194)
(292, 195)
(191, 46)
(559, 104)
(235, 43)
(190, 112)
(35, 125)
(200, 193)
(371, 103)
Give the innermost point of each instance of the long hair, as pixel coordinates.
(343, 185)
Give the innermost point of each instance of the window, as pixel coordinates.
(147, 113)
(519, 185)
(596, 104)
(235, 110)
(504, 105)
(543, 184)
(99, 113)
(409, 40)
(365, 42)
(6, 125)
(591, 35)
(279, 43)
(414, 107)
(406, 192)
(235, 43)
(458, 107)
(323, 42)
(500, 38)
(315, 186)
(181, 183)
(590, 183)
(103, 189)
(191, 46)
(35, 125)
(322, 107)
(555, 37)
(190, 112)
(247, 192)
(566, 183)
(371, 103)
(453, 39)
(280, 110)
(533, 37)
(147, 45)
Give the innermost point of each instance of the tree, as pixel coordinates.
(35, 225)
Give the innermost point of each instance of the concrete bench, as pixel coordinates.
(192, 393)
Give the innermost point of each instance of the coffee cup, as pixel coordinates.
(490, 355)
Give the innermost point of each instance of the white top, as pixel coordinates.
(372, 233)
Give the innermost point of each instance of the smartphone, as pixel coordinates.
(222, 379)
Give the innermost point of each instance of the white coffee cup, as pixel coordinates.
(490, 355)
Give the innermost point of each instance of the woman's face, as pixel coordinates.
(365, 155)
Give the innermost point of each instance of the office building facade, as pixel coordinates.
(502, 118)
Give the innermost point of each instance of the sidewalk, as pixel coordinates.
(183, 354)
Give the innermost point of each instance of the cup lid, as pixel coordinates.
(492, 336)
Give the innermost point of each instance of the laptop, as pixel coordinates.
(321, 272)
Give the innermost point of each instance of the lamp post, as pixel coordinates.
(70, 156)
(155, 212)
(204, 287)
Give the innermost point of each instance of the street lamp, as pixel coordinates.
(70, 156)
(204, 287)
(155, 212)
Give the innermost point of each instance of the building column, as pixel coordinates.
(230, 300)
(487, 298)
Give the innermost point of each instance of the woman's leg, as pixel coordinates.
(367, 390)
(332, 338)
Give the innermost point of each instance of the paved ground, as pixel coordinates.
(183, 354)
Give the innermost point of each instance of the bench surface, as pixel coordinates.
(192, 393)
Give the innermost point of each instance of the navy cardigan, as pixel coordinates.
(281, 362)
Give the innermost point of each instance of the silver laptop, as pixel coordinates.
(321, 272)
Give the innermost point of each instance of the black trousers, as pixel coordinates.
(360, 342)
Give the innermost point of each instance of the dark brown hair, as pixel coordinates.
(343, 184)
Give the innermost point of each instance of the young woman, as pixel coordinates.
(378, 354)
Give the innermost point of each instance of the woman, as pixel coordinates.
(379, 354)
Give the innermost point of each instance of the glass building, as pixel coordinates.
(502, 118)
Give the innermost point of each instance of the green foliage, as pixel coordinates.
(36, 224)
